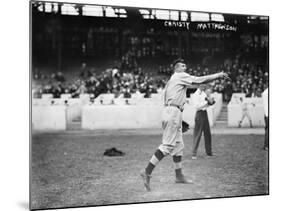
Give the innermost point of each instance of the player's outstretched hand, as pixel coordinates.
(224, 75)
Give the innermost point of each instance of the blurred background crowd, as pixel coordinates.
(80, 49)
(127, 78)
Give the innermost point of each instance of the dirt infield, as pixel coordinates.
(69, 169)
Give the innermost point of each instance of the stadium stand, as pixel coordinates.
(103, 62)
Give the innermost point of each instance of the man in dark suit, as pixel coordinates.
(202, 100)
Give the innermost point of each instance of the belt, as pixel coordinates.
(174, 105)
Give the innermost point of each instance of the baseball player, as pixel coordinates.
(174, 99)
(245, 112)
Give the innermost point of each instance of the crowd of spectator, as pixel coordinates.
(109, 81)
(127, 77)
(246, 77)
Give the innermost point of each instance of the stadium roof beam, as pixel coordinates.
(84, 10)
(91, 10)
(200, 16)
(184, 16)
(119, 12)
(69, 9)
(217, 17)
(164, 14)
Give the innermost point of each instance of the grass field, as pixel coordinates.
(69, 169)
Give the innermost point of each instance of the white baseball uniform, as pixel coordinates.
(174, 100)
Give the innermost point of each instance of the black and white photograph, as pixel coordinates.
(137, 105)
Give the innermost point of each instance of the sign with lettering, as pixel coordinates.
(216, 26)
(177, 24)
(199, 26)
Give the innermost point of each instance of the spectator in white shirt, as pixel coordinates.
(202, 100)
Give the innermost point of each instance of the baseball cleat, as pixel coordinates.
(183, 180)
(146, 180)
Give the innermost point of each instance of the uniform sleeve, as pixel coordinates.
(189, 79)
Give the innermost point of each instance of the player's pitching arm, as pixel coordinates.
(194, 81)
(208, 78)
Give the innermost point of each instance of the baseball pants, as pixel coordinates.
(172, 142)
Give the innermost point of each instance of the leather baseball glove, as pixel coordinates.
(185, 127)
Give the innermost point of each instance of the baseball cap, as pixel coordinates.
(179, 60)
